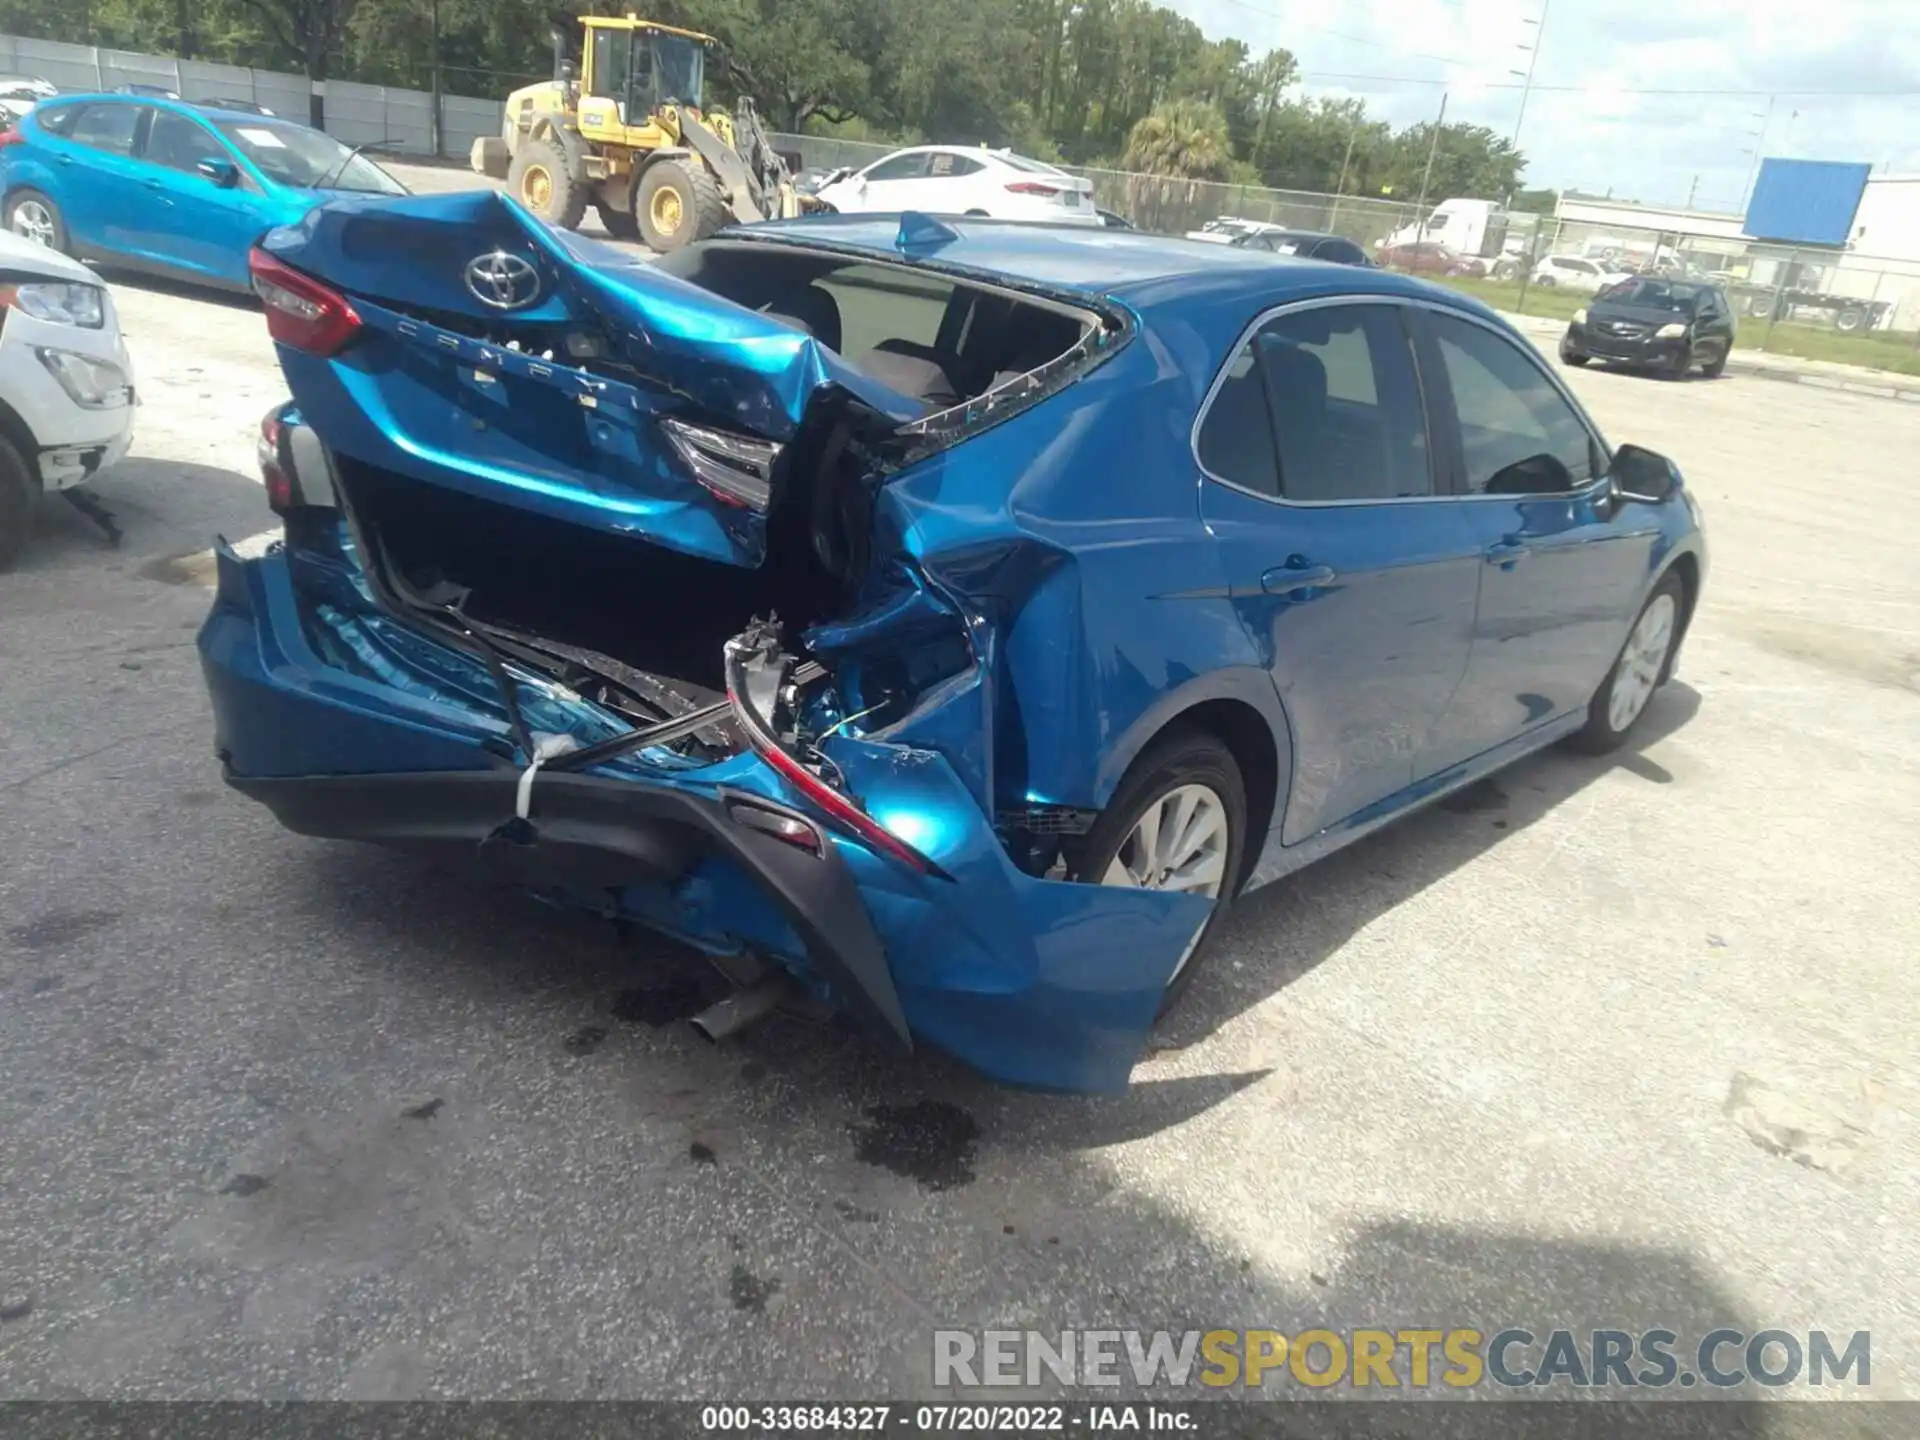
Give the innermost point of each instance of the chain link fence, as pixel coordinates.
(1819, 304)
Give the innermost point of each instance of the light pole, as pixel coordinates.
(1759, 149)
(1526, 86)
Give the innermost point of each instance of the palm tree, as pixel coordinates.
(1175, 152)
(1181, 139)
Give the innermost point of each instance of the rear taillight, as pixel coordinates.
(301, 312)
(10, 136)
(735, 469)
(280, 491)
(843, 810)
(1032, 187)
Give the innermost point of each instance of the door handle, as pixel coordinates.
(1507, 553)
(1291, 579)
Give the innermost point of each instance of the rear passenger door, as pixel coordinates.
(1561, 564)
(1355, 582)
(100, 183)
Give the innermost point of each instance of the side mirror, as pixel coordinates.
(1643, 475)
(221, 172)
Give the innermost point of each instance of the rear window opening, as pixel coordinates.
(928, 336)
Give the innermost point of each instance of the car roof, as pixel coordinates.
(1156, 276)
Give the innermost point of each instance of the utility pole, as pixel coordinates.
(1353, 133)
(1692, 190)
(1427, 178)
(1759, 149)
(436, 121)
(1526, 84)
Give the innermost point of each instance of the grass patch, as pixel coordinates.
(1880, 349)
(1546, 300)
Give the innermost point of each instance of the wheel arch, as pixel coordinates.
(1238, 707)
(19, 434)
(1686, 568)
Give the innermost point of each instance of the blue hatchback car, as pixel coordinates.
(947, 620)
(168, 186)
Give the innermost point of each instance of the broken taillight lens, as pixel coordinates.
(301, 311)
(280, 490)
(735, 469)
(777, 823)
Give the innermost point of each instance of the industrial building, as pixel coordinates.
(1819, 239)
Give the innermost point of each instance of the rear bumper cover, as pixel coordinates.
(1032, 981)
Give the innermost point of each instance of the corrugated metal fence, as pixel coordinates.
(400, 121)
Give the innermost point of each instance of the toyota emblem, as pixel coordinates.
(506, 282)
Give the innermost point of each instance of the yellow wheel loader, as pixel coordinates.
(628, 135)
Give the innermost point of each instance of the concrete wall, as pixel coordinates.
(389, 118)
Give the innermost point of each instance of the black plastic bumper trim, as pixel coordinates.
(590, 832)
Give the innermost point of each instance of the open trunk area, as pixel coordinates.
(659, 611)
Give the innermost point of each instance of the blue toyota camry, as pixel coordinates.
(165, 185)
(945, 621)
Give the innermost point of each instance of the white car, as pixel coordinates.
(1229, 228)
(66, 385)
(1576, 272)
(20, 93)
(964, 180)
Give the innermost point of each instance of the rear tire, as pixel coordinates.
(677, 204)
(1180, 766)
(33, 216)
(19, 498)
(1642, 667)
(542, 178)
(1848, 321)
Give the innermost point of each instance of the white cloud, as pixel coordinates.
(1604, 135)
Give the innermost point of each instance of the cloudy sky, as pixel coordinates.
(1643, 146)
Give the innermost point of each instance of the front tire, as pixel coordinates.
(1571, 356)
(620, 224)
(1718, 367)
(33, 216)
(1177, 822)
(542, 178)
(1641, 668)
(678, 204)
(19, 498)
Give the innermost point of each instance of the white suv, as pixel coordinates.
(66, 385)
(965, 180)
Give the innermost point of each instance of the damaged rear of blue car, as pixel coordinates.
(624, 582)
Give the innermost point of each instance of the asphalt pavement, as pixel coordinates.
(1620, 1042)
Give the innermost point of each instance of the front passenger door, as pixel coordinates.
(100, 187)
(189, 221)
(1560, 561)
(888, 184)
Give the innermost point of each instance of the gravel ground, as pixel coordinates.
(1621, 1042)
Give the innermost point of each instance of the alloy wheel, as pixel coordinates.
(1641, 662)
(33, 221)
(1178, 844)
